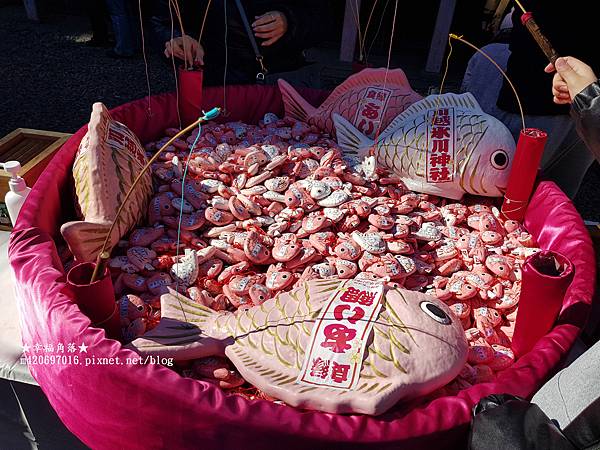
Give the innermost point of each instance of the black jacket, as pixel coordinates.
(586, 113)
(570, 27)
(307, 24)
(507, 422)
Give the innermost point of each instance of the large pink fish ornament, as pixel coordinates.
(412, 346)
(442, 145)
(369, 100)
(109, 159)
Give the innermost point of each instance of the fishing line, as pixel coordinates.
(183, 41)
(145, 59)
(387, 2)
(356, 15)
(389, 58)
(521, 6)
(104, 254)
(443, 81)
(512, 86)
(204, 21)
(364, 40)
(441, 90)
(387, 69)
(174, 66)
(187, 163)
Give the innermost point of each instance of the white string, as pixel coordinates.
(356, 14)
(174, 66)
(145, 59)
(184, 176)
(364, 38)
(378, 29)
(387, 68)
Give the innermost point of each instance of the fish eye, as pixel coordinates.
(435, 312)
(499, 159)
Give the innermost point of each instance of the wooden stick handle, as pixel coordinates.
(539, 37)
(101, 263)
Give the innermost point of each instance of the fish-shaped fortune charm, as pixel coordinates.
(443, 145)
(415, 345)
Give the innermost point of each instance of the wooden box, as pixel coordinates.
(33, 149)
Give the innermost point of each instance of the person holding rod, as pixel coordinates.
(575, 83)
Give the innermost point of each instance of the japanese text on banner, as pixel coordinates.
(371, 109)
(440, 145)
(340, 335)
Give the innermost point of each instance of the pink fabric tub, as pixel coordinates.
(150, 406)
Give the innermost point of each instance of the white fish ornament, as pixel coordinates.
(442, 145)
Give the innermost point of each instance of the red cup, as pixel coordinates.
(190, 94)
(546, 277)
(528, 155)
(96, 300)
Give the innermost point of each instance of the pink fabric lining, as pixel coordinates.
(149, 406)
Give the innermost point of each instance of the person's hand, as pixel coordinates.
(271, 26)
(572, 76)
(186, 48)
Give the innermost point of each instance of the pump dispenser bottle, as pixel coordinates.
(18, 190)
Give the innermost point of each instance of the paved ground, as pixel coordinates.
(49, 79)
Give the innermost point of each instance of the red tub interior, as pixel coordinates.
(150, 406)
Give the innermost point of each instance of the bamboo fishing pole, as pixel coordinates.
(529, 22)
(104, 254)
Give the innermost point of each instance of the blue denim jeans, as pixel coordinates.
(125, 22)
(566, 159)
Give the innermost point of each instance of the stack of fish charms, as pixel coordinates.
(266, 207)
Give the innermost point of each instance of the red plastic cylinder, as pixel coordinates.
(190, 94)
(526, 17)
(530, 149)
(546, 277)
(96, 300)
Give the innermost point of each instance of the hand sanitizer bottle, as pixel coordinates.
(18, 190)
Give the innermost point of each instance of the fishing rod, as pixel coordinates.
(529, 22)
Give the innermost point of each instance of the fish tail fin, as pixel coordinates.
(353, 143)
(295, 106)
(85, 239)
(185, 331)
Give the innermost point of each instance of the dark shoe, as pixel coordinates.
(112, 54)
